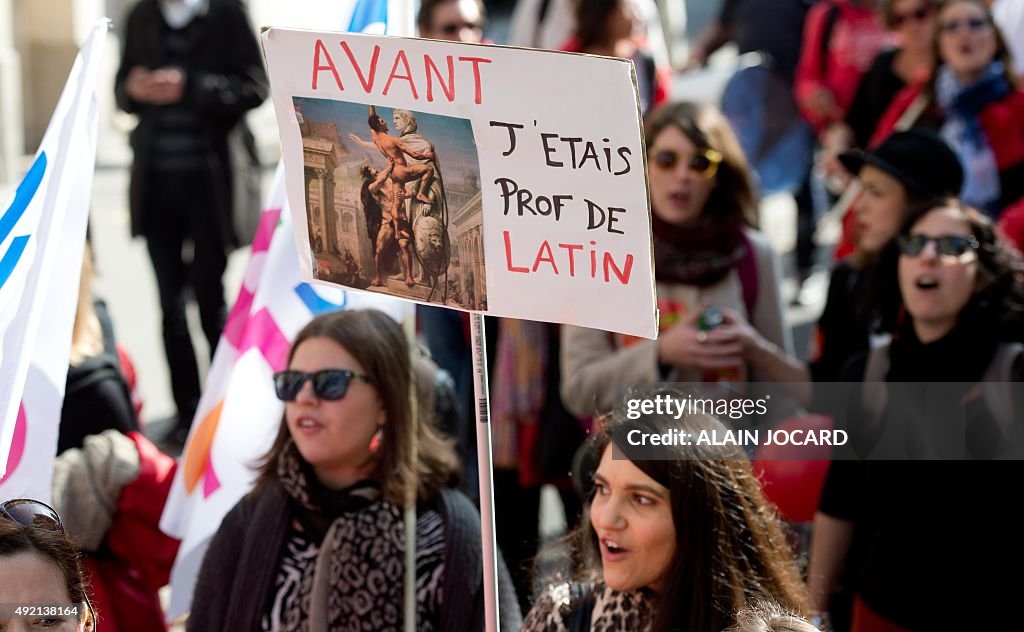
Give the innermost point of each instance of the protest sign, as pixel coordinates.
(489, 179)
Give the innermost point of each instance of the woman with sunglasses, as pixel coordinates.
(672, 538)
(41, 582)
(706, 254)
(975, 103)
(909, 62)
(936, 532)
(906, 171)
(319, 541)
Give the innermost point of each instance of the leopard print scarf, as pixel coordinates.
(355, 581)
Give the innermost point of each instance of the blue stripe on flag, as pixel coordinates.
(11, 257)
(26, 191)
(368, 13)
(22, 198)
(316, 303)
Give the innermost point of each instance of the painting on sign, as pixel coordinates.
(393, 201)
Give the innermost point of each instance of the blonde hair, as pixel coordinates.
(768, 616)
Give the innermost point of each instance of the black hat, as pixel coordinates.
(918, 158)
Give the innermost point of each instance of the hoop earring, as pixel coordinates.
(377, 440)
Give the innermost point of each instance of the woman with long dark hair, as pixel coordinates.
(678, 540)
(319, 541)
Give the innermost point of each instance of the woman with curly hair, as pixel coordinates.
(950, 385)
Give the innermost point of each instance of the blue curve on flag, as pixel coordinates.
(368, 14)
(316, 303)
(22, 198)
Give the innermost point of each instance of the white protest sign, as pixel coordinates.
(489, 179)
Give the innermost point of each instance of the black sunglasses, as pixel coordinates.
(328, 384)
(945, 245)
(973, 24)
(919, 15)
(451, 28)
(32, 513)
(704, 163)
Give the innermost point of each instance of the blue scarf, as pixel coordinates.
(962, 130)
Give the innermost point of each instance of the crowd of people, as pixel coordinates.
(915, 113)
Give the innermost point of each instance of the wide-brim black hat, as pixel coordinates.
(918, 158)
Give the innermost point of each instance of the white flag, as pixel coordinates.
(42, 237)
(239, 414)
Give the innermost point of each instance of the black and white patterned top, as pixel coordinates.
(366, 572)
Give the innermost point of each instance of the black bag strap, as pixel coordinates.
(826, 35)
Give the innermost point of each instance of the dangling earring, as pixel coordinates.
(376, 440)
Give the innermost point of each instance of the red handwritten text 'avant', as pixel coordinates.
(440, 73)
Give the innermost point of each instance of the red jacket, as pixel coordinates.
(1002, 121)
(1003, 124)
(856, 36)
(136, 557)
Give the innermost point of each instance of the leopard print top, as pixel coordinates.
(613, 611)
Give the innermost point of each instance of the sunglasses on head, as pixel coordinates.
(451, 28)
(972, 24)
(918, 15)
(328, 384)
(945, 245)
(32, 513)
(704, 163)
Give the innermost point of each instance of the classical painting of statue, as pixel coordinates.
(393, 201)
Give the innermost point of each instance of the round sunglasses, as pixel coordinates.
(945, 245)
(328, 384)
(703, 163)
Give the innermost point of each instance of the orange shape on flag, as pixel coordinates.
(198, 452)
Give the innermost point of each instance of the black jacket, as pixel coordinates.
(239, 567)
(225, 78)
